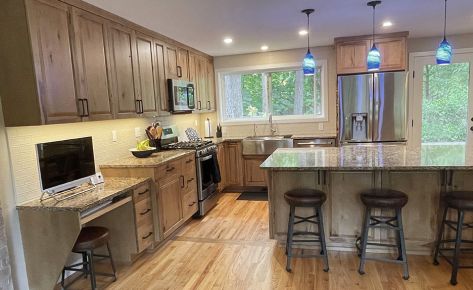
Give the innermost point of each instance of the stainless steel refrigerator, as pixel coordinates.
(373, 107)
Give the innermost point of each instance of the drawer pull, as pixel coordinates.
(146, 211)
(147, 236)
(181, 180)
(191, 204)
(141, 193)
(170, 169)
(189, 161)
(190, 180)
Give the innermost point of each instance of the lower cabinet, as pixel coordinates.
(169, 205)
(234, 164)
(254, 175)
(143, 217)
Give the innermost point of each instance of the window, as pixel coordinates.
(251, 96)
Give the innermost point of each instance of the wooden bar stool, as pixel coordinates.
(306, 198)
(90, 238)
(384, 199)
(461, 201)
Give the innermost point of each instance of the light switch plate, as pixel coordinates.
(321, 126)
(97, 178)
(137, 132)
(114, 136)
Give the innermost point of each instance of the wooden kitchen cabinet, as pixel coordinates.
(49, 25)
(221, 164)
(160, 78)
(177, 63)
(201, 72)
(143, 211)
(189, 199)
(91, 57)
(234, 164)
(352, 52)
(123, 62)
(254, 175)
(147, 91)
(182, 63)
(211, 86)
(170, 204)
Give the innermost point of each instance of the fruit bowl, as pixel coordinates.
(142, 153)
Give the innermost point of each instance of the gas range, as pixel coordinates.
(202, 147)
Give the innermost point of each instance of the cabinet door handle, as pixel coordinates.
(208, 105)
(147, 236)
(141, 193)
(199, 106)
(137, 106)
(181, 180)
(189, 161)
(190, 180)
(81, 101)
(191, 204)
(87, 107)
(140, 102)
(179, 71)
(170, 169)
(146, 211)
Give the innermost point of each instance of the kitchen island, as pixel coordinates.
(342, 173)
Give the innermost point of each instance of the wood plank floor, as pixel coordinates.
(230, 249)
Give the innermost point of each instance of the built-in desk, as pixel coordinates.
(49, 228)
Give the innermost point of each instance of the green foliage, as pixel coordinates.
(445, 103)
(252, 91)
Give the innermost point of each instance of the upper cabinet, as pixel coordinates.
(78, 63)
(49, 24)
(93, 79)
(353, 51)
(201, 72)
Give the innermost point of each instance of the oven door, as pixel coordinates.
(205, 178)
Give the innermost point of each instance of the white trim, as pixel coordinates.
(324, 90)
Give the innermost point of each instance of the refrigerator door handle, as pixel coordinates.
(375, 115)
(372, 82)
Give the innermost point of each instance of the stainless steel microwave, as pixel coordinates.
(181, 96)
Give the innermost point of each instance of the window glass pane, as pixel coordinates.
(292, 93)
(243, 96)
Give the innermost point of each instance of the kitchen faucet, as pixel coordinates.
(273, 131)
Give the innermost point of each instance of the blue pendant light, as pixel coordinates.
(373, 60)
(444, 52)
(308, 64)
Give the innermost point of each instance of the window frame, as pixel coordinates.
(322, 63)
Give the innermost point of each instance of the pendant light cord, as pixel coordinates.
(308, 32)
(445, 22)
(374, 16)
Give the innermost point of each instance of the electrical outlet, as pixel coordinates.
(137, 132)
(321, 126)
(114, 136)
(196, 122)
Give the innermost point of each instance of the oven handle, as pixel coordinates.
(205, 158)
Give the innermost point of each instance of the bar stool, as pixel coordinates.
(90, 239)
(384, 199)
(462, 201)
(306, 198)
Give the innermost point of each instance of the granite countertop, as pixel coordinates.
(112, 187)
(154, 160)
(370, 157)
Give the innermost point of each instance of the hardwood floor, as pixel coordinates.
(230, 249)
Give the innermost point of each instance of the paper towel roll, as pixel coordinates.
(208, 128)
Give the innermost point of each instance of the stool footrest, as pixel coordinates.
(305, 233)
(382, 245)
(306, 241)
(385, 260)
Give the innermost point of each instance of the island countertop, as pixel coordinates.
(151, 161)
(370, 157)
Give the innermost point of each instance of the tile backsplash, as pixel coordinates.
(22, 142)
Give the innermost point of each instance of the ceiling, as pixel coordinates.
(203, 24)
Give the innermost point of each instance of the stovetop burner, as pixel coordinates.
(188, 144)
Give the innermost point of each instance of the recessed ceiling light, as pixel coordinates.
(264, 47)
(228, 40)
(387, 24)
(302, 32)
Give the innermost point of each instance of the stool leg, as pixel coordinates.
(458, 241)
(86, 265)
(405, 266)
(289, 238)
(364, 240)
(63, 276)
(440, 236)
(323, 244)
(112, 263)
(93, 283)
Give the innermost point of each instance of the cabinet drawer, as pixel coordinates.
(189, 203)
(141, 193)
(145, 236)
(190, 182)
(188, 163)
(143, 211)
(168, 170)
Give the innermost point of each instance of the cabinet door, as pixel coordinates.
(170, 205)
(233, 161)
(124, 78)
(171, 62)
(49, 30)
(221, 164)
(393, 53)
(182, 63)
(210, 86)
(194, 77)
(351, 56)
(160, 78)
(91, 57)
(254, 175)
(148, 93)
